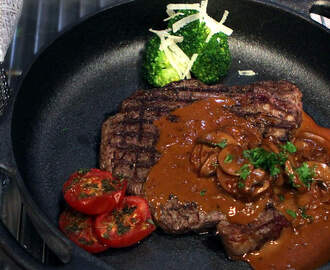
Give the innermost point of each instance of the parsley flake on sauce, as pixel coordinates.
(291, 213)
(244, 171)
(291, 182)
(240, 185)
(289, 147)
(268, 161)
(221, 144)
(281, 197)
(305, 174)
(228, 158)
(304, 215)
(203, 192)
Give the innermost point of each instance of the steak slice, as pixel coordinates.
(240, 239)
(178, 217)
(129, 138)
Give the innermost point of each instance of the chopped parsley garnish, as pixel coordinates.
(106, 186)
(215, 164)
(83, 171)
(122, 229)
(120, 176)
(291, 182)
(282, 157)
(281, 197)
(244, 171)
(91, 185)
(228, 158)
(106, 235)
(129, 210)
(289, 147)
(274, 171)
(304, 215)
(268, 161)
(73, 228)
(203, 192)
(85, 241)
(291, 213)
(221, 144)
(84, 195)
(75, 180)
(240, 185)
(305, 174)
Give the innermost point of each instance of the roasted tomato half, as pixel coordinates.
(125, 225)
(79, 228)
(93, 191)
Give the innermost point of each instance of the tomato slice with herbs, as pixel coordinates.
(79, 228)
(125, 225)
(93, 191)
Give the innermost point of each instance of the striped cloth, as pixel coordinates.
(10, 11)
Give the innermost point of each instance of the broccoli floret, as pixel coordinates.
(157, 69)
(214, 57)
(194, 34)
(213, 61)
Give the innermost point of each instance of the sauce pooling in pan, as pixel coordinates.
(221, 162)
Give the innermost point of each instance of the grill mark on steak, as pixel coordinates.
(129, 138)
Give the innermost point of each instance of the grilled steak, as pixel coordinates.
(241, 239)
(129, 137)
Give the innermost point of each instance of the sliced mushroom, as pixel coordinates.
(216, 137)
(200, 154)
(246, 137)
(195, 157)
(312, 147)
(321, 171)
(231, 159)
(293, 177)
(257, 182)
(315, 138)
(210, 165)
(227, 182)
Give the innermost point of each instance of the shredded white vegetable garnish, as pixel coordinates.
(191, 63)
(170, 9)
(248, 72)
(166, 33)
(177, 58)
(184, 21)
(224, 17)
(215, 26)
(172, 16)
(168, 43)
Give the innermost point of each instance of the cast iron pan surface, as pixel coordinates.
(82, 77)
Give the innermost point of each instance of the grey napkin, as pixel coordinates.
(10, 11)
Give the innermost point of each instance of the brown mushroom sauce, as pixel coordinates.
(205, 159)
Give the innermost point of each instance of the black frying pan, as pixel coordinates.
(52, 125)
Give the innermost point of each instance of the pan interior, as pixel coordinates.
(81, 79)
